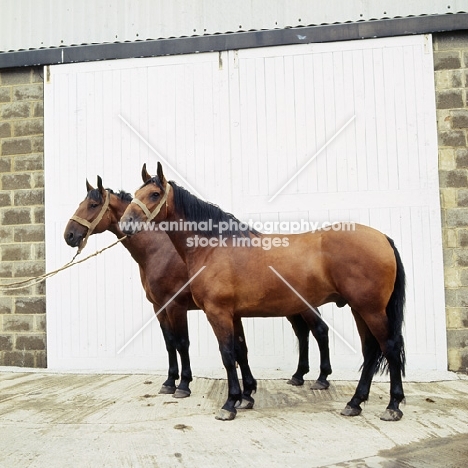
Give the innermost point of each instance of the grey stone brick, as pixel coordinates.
(5, 199)
(455, 178)
(18, 323)
(28, 127)
(38, 215)
(19, 359)
(15, 252)
(30, 305)
(461, 256)
(15, 181)
(458, 338)
(453, 138)
(13, 146)
(32, 92)
(461, 158)
(35, 233)
(5, 130)
(6, 342)
(457, 217)
(463, 237)
(37, 144)
(447, 60)
(15, 216)
(16, 76)
(29, 197)
(460, 118)
(15, 110)
(449, 99)
(5, 164)
(5, 94)
(38, 109)
(451, 40)
(29, 162)
(30, 343)
(6, 305)
(28, 269)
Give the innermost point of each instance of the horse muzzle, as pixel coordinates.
(73, 239)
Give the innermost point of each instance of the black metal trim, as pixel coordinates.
(239, 40)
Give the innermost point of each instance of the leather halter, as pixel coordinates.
(150, 215)
(91, 225)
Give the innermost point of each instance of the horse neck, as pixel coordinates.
(190, 254)
(142, 247)
(178, 238)
(117, 207)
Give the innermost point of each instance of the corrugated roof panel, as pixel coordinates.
(32, 24)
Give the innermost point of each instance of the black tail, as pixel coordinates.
(395, 314)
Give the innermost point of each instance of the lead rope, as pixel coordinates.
(84, 222)
(41, 278)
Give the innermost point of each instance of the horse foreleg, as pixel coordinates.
(177, 314)
(248, 380)
(169, 386)
(223, 328)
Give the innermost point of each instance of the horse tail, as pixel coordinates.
(395, 314)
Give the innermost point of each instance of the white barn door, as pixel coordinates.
(108, 119)
(237, 127)
(347, 132)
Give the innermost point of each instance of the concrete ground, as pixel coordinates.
(107, 420)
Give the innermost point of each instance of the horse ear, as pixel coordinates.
(144, 174)
(89, 187)
(99, 184)
(161, 174)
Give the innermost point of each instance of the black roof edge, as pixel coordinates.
(239, 40)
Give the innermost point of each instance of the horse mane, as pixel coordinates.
(95, 195)
(192, 209)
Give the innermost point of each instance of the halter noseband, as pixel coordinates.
(91, 226)
(150, 215)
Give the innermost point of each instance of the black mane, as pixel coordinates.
(95, 195)
(192, 209)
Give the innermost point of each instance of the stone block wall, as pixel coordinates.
(22, 255)
(451, 81)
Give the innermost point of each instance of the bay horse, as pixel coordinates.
(360, 267)
(163, 273)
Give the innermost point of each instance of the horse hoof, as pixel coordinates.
(225, 415)
(350, 411)
(391, 415)
(320, 385)
(180, 393)
(295, 381)
(246, 403)
(166, 390)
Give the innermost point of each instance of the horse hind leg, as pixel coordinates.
(395, 358)
(394, 347)
(301, 330)
(372, 356)
(311, 320)
(320, 331)
(248, 381)
(377, 346)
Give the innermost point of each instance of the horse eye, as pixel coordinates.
(155, 194)
(94, 205)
